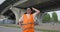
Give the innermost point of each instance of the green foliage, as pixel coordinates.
(46, 18)
(54, 17)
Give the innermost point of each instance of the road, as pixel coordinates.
(10, 29)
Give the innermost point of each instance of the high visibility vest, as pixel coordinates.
(28, 22)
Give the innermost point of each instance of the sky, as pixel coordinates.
(50, 13)
(1, 1)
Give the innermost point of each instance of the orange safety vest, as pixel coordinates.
(28, 24)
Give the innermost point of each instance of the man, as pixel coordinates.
(26, 22)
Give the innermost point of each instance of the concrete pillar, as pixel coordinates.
(16, 11)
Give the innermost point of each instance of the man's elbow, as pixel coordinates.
(38, 12)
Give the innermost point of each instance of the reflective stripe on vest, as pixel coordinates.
(27, 23)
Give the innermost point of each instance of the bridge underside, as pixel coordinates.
(43, 5)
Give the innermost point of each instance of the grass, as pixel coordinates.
(38, 29)
(10, 25)
(44, 30)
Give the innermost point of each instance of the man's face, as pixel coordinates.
(29, 11)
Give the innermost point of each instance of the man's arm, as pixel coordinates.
(20, 21)
(37, 11)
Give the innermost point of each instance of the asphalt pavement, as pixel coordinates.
(11, 29)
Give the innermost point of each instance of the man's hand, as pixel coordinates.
(37, 11)
(20, 24)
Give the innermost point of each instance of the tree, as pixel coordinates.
(54, 17)
(46, 18)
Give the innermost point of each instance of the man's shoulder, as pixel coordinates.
(34, 14)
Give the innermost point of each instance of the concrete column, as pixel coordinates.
(16, 11)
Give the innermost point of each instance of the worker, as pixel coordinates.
(26, 22)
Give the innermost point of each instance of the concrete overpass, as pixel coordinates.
(19, 7)
(40, 4)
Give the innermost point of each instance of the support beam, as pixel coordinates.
(5, 9)
(28, 3)
(20, 2)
